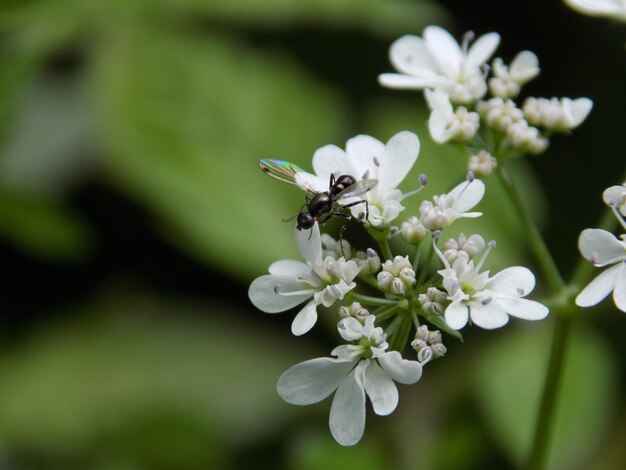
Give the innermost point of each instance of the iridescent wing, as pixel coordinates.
(287, 172)
(358, 188)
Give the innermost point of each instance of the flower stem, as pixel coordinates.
(545, 421)
(542, 254)
(385, 249)
(368, 300)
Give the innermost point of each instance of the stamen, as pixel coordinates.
(594, 258)
(436, 235)
(366, 175)
(490, 246)
(371, 253)
(520, 291)
(485, 68)
(376, 161)
(467, 38)
(470, 176)
(411, 193)
(487, 301)
(423, 179)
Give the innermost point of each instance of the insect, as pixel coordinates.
(324, 205)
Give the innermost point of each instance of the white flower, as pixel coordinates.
(500, 114)
(612, 8)
(357, 370)
(397, 275)
(367, 157)
(615, 198)
(507, 81)
(603, 248)
(292, 282)
(463, 247)
(446, 208)
(488, 301)
(482, 163)
(437, 61)
(526, 138)
(446, 124)
(557, 114)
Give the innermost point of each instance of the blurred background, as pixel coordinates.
(133, 217)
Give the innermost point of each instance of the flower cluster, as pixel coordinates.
(380, 297)
(603, 248)
(472, 103)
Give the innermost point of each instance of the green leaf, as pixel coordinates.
(509, 379)
(43, 227)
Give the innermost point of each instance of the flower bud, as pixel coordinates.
(428, 344)
(433, 301)
(413, 231)
(482, 164)
(397, 275)
(354, 310)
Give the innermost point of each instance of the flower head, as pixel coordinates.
(444, 209)
(361, 368)
(488, 301)
(603, 248)
(291, 282)
(438, 61)
(367, 157)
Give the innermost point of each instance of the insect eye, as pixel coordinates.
(305, 221)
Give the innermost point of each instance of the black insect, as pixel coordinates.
(322, 206)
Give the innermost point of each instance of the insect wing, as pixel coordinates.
(358, 188)
(287, 172)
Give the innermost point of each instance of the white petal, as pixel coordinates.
(579, 109)
(361, 151)
(267, 293)
(515, 281)
(347, 413)
(399, 369)
(289, 267)
(482, 49)
(312, 381)
(467, 195)
(456, 315)
(402, 82)
(598, 7)
(524, 308)
(380, 389)
(310, 244)
(601, 247)
(619, 294)
(614, 196)
(525, 67)
(350, 329)
(409, 55)
(488, 316)
(400, 154)
(600, 287)
(329, 159)
(305, 319)
(444, 49)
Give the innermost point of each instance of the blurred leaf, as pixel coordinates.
(48, 146)
(187, 121)
(44, 228)
(161, 381)
(317, 450)
(385, 17)
(509, 381)
(446, 167)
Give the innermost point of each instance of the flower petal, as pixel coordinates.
(380, 389)
(482, 49)
(350, 329)
(329, 159)
(305, 319)
(400, 154)
(409, 55)
(488, 316)
(524, 67)
(311, 381)
(347, 413)
(601, 247)
(619, 294)
(456, 315)
(362, 150)
(271, 293)
(467, 194)
(289, 267)
(524, 308)
(600, 287)
(444, 49)
(399, 369)
(310, 244)
(516, 281)
(403, 82)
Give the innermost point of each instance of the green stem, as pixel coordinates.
(545, 421)
(542, 254)
(425, 266)
(368, 300)
(385, 249)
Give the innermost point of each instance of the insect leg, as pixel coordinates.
(362, 201)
